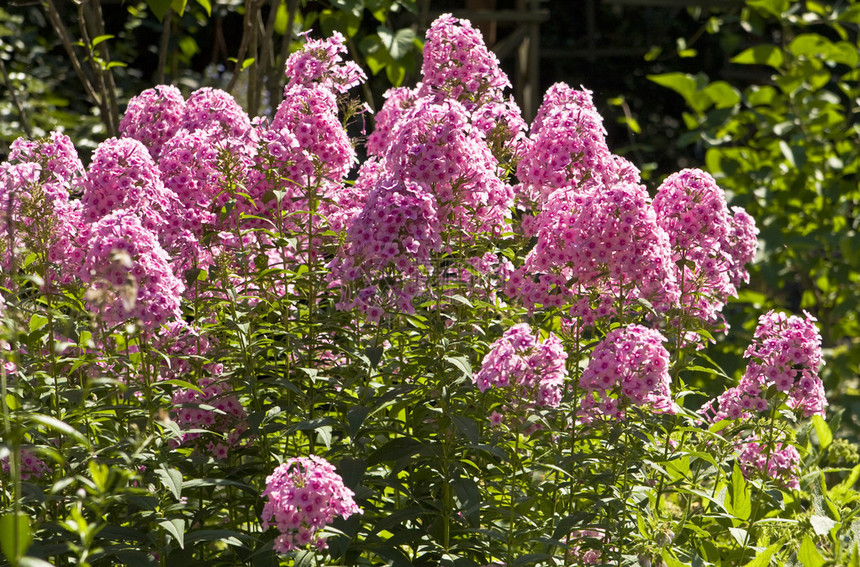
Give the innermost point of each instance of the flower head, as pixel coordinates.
(304, 495)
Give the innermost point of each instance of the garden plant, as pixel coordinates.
(226, 342)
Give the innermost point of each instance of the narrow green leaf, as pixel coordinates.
(15, 535)
(462, 363)
(809, 555)
(59, 426)
(206, 5)
(825, 437)
(171, 479)
(763, 558)
(101, 38)
(741, 503)
(176, 528)
(33, 562)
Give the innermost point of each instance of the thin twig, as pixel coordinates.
(113, 106)
(247, 26)
(65, 39)
(164, 45)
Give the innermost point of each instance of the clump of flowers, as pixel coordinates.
(785, 354)
(388, 248)
(215, 409)
(31, 466)
(567, 145)
(153, 117)
(129, 273)
(434, 144)
(320, 62)
(629, 366)
(777, 461)
(35, 186)
(207, 108)
(710, 247)
(534, 369)
(122, 175)
(457, 63)
(602, 242)
(304, 495)
(581, 554)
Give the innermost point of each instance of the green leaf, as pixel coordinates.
(825, 437)
(171, 479)
(345, 22)
(462, 363)
(178, 6)
(722, 94)
(773, 7)
(397, 43)
(741, 502)
(685, 85)
(33, 562)
(159, 8)
(763, 558)
(206, 5)
(808, 554)
(176, 528)
(59, 426)
(101, 38)
(760, 55)
(15, 535)
(37, 321)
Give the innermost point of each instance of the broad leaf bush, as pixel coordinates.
(782, 138)
(483, 350)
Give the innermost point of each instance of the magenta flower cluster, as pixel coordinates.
(629, 366)
(532, 368)
(457, 63)
(304, 495)
(129, 273)
(785, 354)
(710, 245)
(778, 461)
(31, 466)
(600, 242)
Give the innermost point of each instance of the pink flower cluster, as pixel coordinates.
(710, 246)
(434, 144)
(303, 496)
(35, 186)
(388, 250)
(581, 555)
(602, 243)
(630, 365)
(215, 410)
(153, 117)
(31, 466)
(319, 62)
(534, 369)
(567, 145)
(778, 462)
(129, 273)
(457, 63)
(122, 175)
(785, 354)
